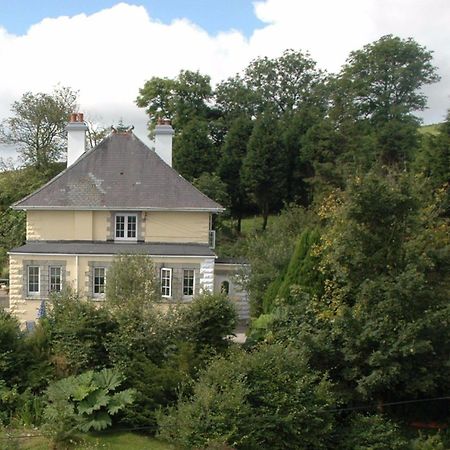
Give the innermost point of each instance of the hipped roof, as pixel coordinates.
(121, 173)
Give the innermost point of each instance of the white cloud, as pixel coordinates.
(108, 55)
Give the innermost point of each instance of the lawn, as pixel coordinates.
(430, 129)
(106, 441)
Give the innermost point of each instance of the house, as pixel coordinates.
(119, 198)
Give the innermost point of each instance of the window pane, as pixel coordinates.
(166, 282)
(33, 279)
(131, 227)
(120, 226)
(99, 280)
(55, 279)
(188, 282)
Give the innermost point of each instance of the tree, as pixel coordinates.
(234, 151)
(265, 165)
(180, 99)
(385, 258)
(193, 150)
(381, 83)
(212, 186)
(37, 126)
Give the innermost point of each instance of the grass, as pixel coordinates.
(107, 441)
(430, 129)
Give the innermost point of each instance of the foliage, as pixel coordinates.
(180, 99)
(209, 319)
(264, 399)
(431, 442)
(213, 187)
(11, 344)
(131, 283)
(373, 432)
(193, 150)
(78, 333)
(269, 253)
(84, 402)
(37, 126)
(265, 165)
(385, 259)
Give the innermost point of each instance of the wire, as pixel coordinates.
(353, 408)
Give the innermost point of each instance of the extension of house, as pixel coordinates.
(119, 198)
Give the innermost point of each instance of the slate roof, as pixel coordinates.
(121, 173)
(111, 248)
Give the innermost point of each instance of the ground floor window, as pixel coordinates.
(99, 280)
(166, 282)
(225, 287)
(188, 282)
(33, 280)
(55, 277)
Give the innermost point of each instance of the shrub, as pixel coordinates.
(373, 432)
(78, 333)
(209, 319)
(263, 399)
(432, 442)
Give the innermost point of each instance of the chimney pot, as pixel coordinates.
(74, 117)
(80, 117)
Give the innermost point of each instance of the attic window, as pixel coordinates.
(126, 227)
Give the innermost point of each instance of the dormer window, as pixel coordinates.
(126, 227)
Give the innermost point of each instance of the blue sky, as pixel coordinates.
(212, 15)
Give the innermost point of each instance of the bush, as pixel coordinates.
(373, 432)
(78, 333)
(264, 399)
(432, 442)
(209, 319)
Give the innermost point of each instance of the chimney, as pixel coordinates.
(76, 137)
(163, 140)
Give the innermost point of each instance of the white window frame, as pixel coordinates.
(126, 217)
(34, 293)
(50, 269)
(98, 294)
(164, 277)
(193, 283)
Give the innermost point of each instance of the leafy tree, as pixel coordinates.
(132, 283)
(263, 399)
(265, 165)
(180, 99)
(84, 402)
(234, 151)
(382, 83)
(193, 150)
(384, 78)
(37, 126)
(385, 258)
(212, 186)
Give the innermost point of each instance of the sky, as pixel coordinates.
(107, 49)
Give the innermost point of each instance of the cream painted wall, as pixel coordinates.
(67, 225)
(169, 226)
(78, 276)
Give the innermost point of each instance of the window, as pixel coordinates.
(225, 287)
(188, 282)
(55, 275)
(166, 282)
(33, 280)
(99, 281)
(126, 226)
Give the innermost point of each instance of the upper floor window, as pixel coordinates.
(188, 282)
(99, 281)
(166, 282)
(55, 277)
(126, 227)
(33, 280)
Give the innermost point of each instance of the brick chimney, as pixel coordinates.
(76, 137)
(163, 140)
